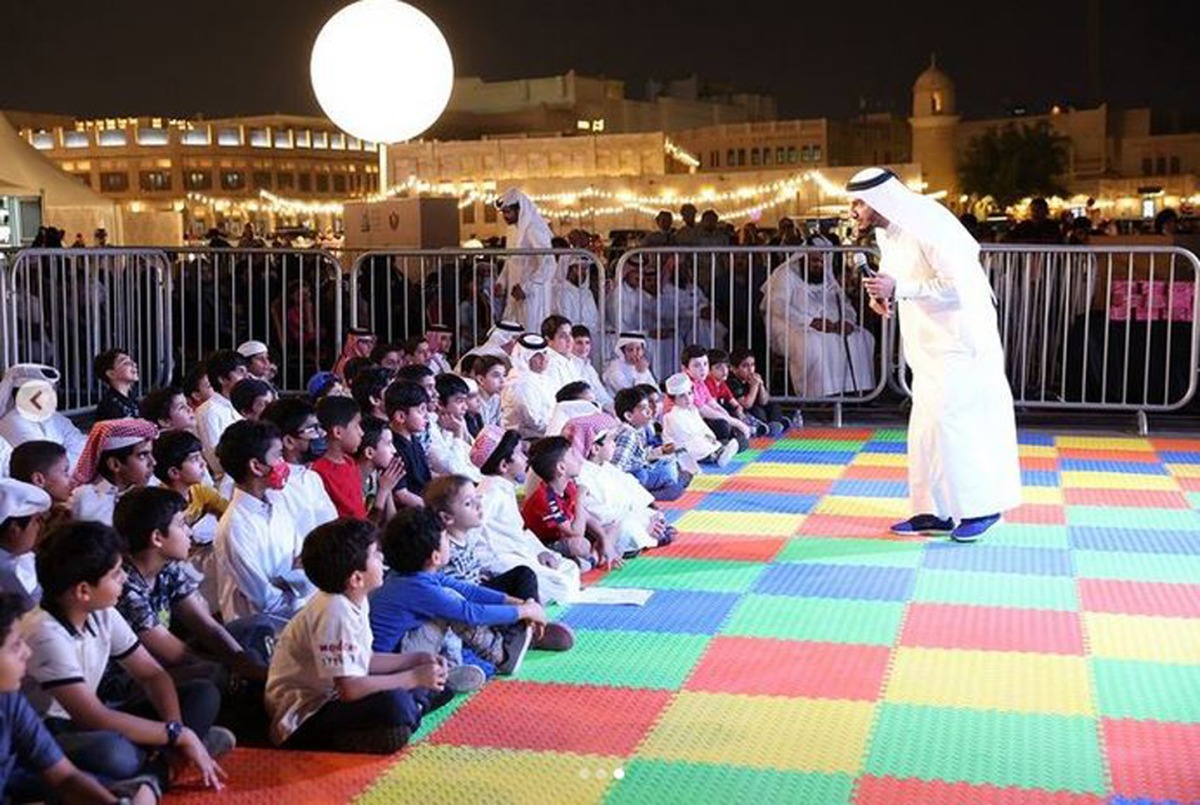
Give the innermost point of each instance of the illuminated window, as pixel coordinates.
(114, 182)
(1148, 208)
(303, 139)
(791, 154)
(259, 138)
(230, 136)
(233, 180)
(338, 141)
(198, 136)
(805, 153)
(109, 139)
(320, 139)
(43, 140)
(779, 155)
(283, 139)
(151, 137)
(935, 103)
(816, 153)
(152, 181)
(76, 139)
(197, 180)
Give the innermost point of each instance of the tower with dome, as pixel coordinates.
(934, 124)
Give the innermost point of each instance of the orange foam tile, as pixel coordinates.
(1092, 454)
(1037, 514)
(1039, 464)
(835, 525)
(795, 486)
(297, 778)
(1145, 498)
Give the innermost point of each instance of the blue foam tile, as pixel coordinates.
(1118, 800)
(885, 447)
(1039, 478)
(861, 488)
(1134, 540)
(998, 559)
(1033, 438)
(861, 582)
(672, 515)
(680, 611)
(784, 456)
(1178, 457)
(776, 502)
(1122, 467)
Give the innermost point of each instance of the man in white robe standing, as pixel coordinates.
(963, 471)
(528, 277)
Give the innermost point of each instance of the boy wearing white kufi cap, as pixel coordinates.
(21, 508)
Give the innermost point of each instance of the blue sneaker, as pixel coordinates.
(972, 528)
(923, 524)
(775, 429)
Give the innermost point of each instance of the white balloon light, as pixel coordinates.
(382, 70)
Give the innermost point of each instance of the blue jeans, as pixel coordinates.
(663, 479)
(383, 710)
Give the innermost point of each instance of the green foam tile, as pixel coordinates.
(1133, 517)
(663, 573)
(996, 590)
(1194, 499)
(877, 552)
(649, 781)
(820, 445)
(1021, 535)
(1160, 567)
(619, 659)
(890, 435)
(1147, 690)
(818, 619)
(746, 456)
(1054, 753)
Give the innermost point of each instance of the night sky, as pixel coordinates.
(225, 57)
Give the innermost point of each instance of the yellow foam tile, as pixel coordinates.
(1041, 495)
(819, 472)
(707, 483)
(1104, 443)
(763, 524)
(792, 734)
(863, 507)
(1037, 451)
(1117, 480)
(880, 460)
(1143, 637)
(1184, 470)
(439, 773)
(991, 680)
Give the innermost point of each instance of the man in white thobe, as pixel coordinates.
(962, 438)
(528, 277)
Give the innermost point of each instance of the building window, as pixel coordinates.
(1147, 166)
(151, 181)
(43, 140)
(152, 137)
(805, 153)
(791, 155)
(229, 136)
(741, 156)
(111, 138)
(114, 182)
(322, 182)
(260, 138)
(1160, 166)
(197, 180)
(767, 156)
(339, 183)
(714, 159)
(198, 136)
(283, 139)
(816, 153)
(489, 213)
(468, 213)
(730, 158)
(779, 155)
(86, 178)
(1174, 165)
(233, 180)
(755, 156)
(262, 180)
(936, 103)
(305, 184)
(76, 139)
(285, 181)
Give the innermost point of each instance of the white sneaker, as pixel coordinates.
(465, 678)
(727, 453)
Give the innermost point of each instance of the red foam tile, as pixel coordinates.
(838, 434)
(992, 629)
(721, 546)
(1189, 484)
(1170, 445)
(1139, 498)
(1140, 598)
(1124, 456)
(272, 775)
(1156, 760)
(864, 472)
(688, 500)
(555, 718)
(761, 442)
(836, 525)
(1037, 514)
(1039, 464)
(872, 790)
(760, 667)
(795, 486)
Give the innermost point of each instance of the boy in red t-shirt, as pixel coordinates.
(718, 374)
(341, 419)
(555, 511)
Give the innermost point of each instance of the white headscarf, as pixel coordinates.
(625, 339)
(919, 216)
(18, 375)
(532, 231)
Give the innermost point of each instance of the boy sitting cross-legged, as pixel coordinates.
(327, 688)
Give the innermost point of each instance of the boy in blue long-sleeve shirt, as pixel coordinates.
(418, 608)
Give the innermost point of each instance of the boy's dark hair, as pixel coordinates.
(288, 414)
(34, 456)
(649, 389)
(372, 428)
(141, 512)
(370, 382)
(381, 350)
(690, 353)
(75, 551)
(411, 345)
(503, 452)
(243, 395)
(466, 365)
(121, 454)
(221, 364)
(336, 412)
(171, 449)
(191, 381)
(580, 331)
(572, 391)
(410, 539)
(441, 490)
(155, 406)
(448, 384)
(628, 399)
(484, 363)
(717, 356)
(551, 325)
(356, 366)
(11, 609)
(546, 453)
(740, 354)
(335, 550)
(403, 395)
(242, 441)
(105, 361)
(414, 372)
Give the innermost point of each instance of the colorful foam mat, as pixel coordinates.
(795, 652)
